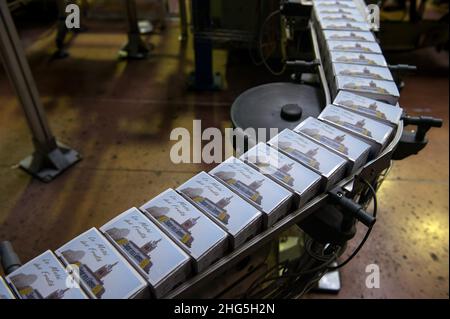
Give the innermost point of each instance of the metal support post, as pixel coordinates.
(203, 78)
(49, 158)
(135, 48)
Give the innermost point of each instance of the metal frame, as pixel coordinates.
(135, 48)
(203, 78)
(50, 158)
(184, 34)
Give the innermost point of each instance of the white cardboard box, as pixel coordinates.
(340, 4)
(188, 227)
(343, 143)
(337, 35)
(104, 273)
(234, 214)
(302, 181)
(349, 17)
(375, 133)
(322, 11)
(44, 277)
(380, 111)
(359, 5)
(332, 167)
(344, 25)
(157, 258)
(273, 200)
(385, 91)
(354, 46)
(5, 292)
(358, 58)
(364, 71)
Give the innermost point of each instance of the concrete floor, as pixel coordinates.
(119, 116)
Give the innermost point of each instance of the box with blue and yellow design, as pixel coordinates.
(370, 59)
(102, 270)
(385, 91)
(192, 230)
(354, 46)
(342, 35)
(341, 142)
(300, 180)
(373, 132)
(44, 277)
(235, 215)
(271, 198)
(363, 71)
(149, 250)
(340, 16)
(332, 167)
(383, 112)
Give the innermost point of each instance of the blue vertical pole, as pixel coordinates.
(204, 77)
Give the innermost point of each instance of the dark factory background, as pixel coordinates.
(118, 113)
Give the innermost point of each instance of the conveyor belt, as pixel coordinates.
(370, 171)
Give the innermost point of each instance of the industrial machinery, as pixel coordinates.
(329, 219)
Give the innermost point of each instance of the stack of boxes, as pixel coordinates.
(352, 58)
(149, 251)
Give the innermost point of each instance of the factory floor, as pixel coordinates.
(119, 116)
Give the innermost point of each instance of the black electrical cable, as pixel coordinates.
(261, 53)
(375, 209)
(369, 230)
(268, 271)
(261, 280)
(295, 275)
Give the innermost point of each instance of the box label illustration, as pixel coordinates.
(339, 17)
(354, 122)
(280, 167)
(364, 71)
(375, 109)
(344, 25)
(147, 247)
(44, 277)
(340, 141)
(354, 46)
(251, 184)
(348, 35)
(229, 209)
(308, 152)
(323, 11)
(381, 90)
(104, 272)
(196, 232)
(358, 58)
